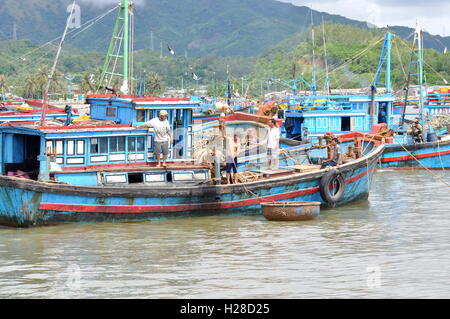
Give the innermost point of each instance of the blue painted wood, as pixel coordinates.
(21, 208)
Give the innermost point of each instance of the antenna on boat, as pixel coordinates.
(120, 48)
(55, 63)
(327, 79)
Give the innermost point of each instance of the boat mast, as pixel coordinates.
(53, 70)
(313, 56)
(327, 79)
(419, 34)
(123, 35)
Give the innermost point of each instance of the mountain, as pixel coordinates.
(197, 27)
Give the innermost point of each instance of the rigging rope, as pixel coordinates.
(420, 163)
(425, 63)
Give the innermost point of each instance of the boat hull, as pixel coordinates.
(432, 155)
(26, 203)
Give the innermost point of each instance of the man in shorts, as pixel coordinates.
(273, 144)
(163, 136)
(233, 148)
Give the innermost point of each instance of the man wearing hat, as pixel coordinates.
(163, 135)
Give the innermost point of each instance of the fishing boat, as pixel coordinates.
(429, 148)
(104, 168)
(100, 172)
(30, 111)
(211, 109)
(374, 112)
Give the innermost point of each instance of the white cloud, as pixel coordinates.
(431, 14)
(102, 3)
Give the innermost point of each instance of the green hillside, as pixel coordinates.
(343, 43)
(197, 27)
(24, 63)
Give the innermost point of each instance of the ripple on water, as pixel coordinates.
(401, 234)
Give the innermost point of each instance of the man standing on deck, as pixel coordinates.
(273, 143)
(163, 135)
(233, 148)
(334, 154)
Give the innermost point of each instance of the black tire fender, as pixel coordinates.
(329, 178)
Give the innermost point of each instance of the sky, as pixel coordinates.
(433, 15)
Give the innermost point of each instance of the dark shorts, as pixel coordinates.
(232, 166)
(330, 163)
(162, 147)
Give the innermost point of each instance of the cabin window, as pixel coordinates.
(140, 143)
(75, 147)
(99, 145)
(49, 146)
(117, 144)
(132, 144)
(70, 148)
(110, 112)
(140, 116)
(80, 147)
(59, 148)
(136, 144)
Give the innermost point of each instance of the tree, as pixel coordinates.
(155, 85)
(3, 86)
(87, 83)
(30, 87)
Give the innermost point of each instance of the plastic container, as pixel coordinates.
(431, 137)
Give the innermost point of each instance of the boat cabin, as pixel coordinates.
(337, 114)
(106, 150)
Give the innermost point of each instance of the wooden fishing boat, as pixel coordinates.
(104, 169)
(176, 191)
(434, 155)
(30, 111)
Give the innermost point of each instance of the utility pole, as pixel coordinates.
(152, 43)
(161, 54)
(15, 31)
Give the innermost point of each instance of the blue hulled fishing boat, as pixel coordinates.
(103, 172)
(377, 113)
(104, 169)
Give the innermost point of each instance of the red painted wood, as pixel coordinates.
(409, 157)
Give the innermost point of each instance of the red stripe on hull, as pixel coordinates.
(183, 207)
(413, 168)
(409, 157)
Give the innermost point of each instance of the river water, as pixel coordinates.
(395, 245)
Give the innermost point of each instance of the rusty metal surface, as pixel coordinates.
(290, 211)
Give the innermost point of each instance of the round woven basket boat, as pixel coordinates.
(290, 211)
